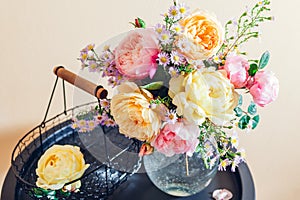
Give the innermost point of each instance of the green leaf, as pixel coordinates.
(198, 148)
(252, 108)
(153, 86)
(40, 192)
(51, 192)
(253, 69)
(255, 121)
(264, 60)
(142, 23)
(238, 111)
(244, 121)
(240, 102)
(37, 191)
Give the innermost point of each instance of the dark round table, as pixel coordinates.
(135, 187)
(139, 187)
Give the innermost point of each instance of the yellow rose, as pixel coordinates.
(206, 94)
(59, 165)
(202, 36)
(131, 111)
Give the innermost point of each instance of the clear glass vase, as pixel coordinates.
(180, 175)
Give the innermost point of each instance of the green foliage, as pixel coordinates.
(165, 100)
(138, 23)
(240, 101)
(244, 122)
(245, 26)
(253, 69)
(252, 109)
(238, 111)
(255, 121)
(245, 117)
(264, 60)
(185, 68)
(153, 86)
(50, 194)
(141, 23)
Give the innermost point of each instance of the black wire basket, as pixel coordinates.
(112, 156)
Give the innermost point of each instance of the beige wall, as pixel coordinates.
(36, 35)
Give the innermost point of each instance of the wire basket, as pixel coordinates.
(112, 156)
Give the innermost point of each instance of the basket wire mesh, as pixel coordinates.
(112, 156)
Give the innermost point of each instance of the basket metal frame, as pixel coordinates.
(36, 138)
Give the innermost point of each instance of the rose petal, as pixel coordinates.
(222, 194)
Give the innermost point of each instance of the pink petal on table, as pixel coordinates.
(222, 194)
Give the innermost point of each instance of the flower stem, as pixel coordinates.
(187, 165)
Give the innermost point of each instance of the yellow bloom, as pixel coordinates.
(205, 93)
(59, 165)
(132, 112)
(202, 35)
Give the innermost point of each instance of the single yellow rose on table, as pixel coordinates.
(132, 112)
(202, 36)
(60, 164)
(202, 94)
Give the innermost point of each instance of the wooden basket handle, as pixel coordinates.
(87, 86)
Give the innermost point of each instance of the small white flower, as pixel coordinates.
(183, 10)
(159, 28)
(163, 59)
(165, 37)
(177, 28)
(184, 44)
(174, 13)
(171, 116)
(176, 58)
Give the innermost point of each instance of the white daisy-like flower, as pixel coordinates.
(171, 116)
(93, 66)
(165, 37)
(163, 59)
(184, 44)
(174, 12)
(176, 58)
(183, 10)
(234, 140)
(217, 59)
(177, 28)
(173, 72)
(159, 28)
(223, 164)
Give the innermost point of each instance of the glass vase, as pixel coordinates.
(180, 175)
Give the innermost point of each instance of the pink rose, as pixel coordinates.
(264, 88)
(176, 139)
(237, 70)
(136, 54)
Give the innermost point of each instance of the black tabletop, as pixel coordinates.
(136, 187)
(139, 187)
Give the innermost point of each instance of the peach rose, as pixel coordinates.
(202, 36)
(59, 165)
(136, 54)
(204, 93)
(264, 88)
(132, 112)
(177, 138)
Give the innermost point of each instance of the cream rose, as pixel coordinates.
(131, 111)
(206, 94)
(202, 36)
(59, 165)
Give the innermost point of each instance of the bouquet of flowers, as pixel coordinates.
(182, 81)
